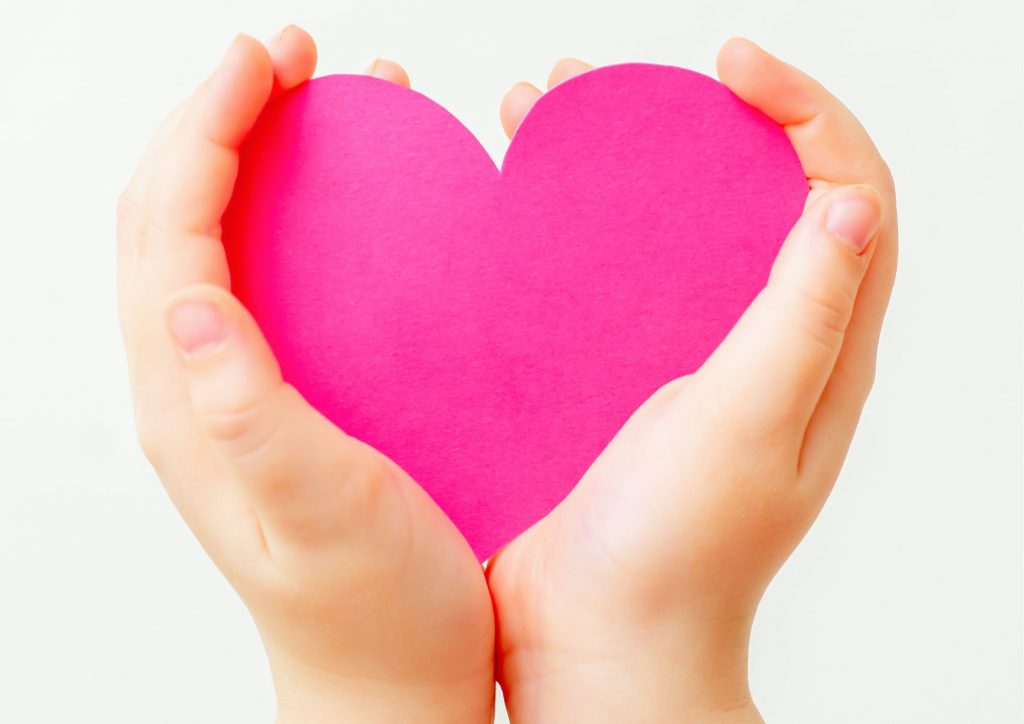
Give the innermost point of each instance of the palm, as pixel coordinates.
(663, 518)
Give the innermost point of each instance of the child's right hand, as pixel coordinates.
(371, 605)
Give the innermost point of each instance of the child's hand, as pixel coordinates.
(370, 603)
(633, 600)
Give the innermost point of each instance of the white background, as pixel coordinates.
(903, 604)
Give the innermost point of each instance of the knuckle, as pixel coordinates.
(244, 428)
(672, 393)
(882, 171)
(712, 404)
(885, 171)
(866, 381)
(366, 481)
(137, 229)
(127, 208)
(128, 212)
(856, 381)
(712, 407)
(152, 443)
(875, 171)
(133, 226)
(826, 314)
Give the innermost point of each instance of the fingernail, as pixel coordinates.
(854, 218)
(279, 35)
(196, 326)
(372, 66)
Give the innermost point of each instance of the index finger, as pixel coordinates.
(168, 227)
(833, 148)
(831, 143)
(186, 176)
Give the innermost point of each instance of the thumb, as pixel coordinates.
(298, 470)
(774, 364)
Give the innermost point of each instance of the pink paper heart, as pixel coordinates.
(491, 331)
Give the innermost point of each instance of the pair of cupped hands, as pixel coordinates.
(633, 600)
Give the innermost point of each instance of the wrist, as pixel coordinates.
(662, 673)
(305, 697)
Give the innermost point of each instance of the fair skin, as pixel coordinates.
(371, 605)
(633, 599)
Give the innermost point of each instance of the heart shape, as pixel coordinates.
(491, 331)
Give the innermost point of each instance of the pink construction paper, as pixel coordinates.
(491, 331)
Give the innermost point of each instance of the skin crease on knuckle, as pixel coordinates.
(247, 429)
(826, 317)
(132, 229)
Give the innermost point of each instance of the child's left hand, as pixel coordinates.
(633, 599)
(371, 605)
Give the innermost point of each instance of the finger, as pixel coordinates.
(168, 217)
(516, 104)
(521, 97)
(565, 69)
(298, 469)
(828, 138)
(770, 371)
(184, 184)
(388, 70)
(834, 149)
(293, 56)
